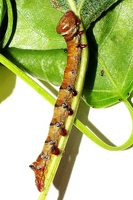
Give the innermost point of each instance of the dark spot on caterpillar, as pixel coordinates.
(73, 72)
(74, 93)
(32, 167)
(81, 32)
(63, 132)
(78, 21)
(69, 88)
(70, 111)
(38, 167)
(64, 105)
(57, 105)
(43, 156)
(52, 124)
(35, 167)
(82, 46)
(57, 124)
(55, 150)
(51, 142)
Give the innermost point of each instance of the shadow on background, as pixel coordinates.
(67, 163)
(7, 83)
(63, 174)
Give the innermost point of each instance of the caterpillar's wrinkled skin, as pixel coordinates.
(68, 27)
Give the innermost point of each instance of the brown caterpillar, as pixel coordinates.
(68, 27)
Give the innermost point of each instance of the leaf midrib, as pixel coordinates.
(127, 72)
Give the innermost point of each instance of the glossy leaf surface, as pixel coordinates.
(112, 59)
(35, 34)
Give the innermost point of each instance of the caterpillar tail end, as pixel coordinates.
(39, 176)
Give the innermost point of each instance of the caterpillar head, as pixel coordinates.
(68, 24)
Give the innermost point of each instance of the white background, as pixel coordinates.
(87, 171)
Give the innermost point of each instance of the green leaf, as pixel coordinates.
(36, 32)
(112, 60)
(2, 10)
(36, 26)
(8, 23)
(110, 43)
(40, 63)
(89, 10)
(92, 9)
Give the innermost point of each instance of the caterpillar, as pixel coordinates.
(68, 27)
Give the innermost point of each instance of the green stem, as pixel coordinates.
(99, 141)
(27, 79)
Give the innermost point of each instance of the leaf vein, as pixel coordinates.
(126, 75)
